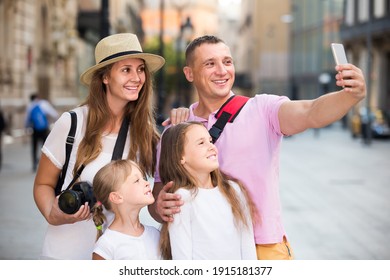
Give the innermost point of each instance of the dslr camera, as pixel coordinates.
(71, 200)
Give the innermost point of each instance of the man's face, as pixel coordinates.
(212, 70)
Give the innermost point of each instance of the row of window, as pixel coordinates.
(359, 11)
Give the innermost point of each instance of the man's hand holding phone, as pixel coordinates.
(339, 54)
(340, 58)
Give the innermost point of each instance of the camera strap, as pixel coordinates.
(121, 140)
(118, 148)
(68, 149)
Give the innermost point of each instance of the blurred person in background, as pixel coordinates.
(39, 114)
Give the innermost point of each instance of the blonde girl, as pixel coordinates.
(122, 188)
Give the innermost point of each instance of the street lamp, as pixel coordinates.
(185, 34)
(160, 76)
(104, 21)
(367, 119)
(324, 80)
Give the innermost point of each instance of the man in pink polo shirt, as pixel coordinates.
(249, 147)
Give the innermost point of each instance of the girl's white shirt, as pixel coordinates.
(205, 229)
(114, 245)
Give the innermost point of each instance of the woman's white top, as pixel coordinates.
(205, 230)
(75, 241)
(114, 245)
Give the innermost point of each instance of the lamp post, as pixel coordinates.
(288, 19)
(185, 33)
(367, 119)
(160, 77)
(104, 22)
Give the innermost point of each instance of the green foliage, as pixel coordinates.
(171, 74)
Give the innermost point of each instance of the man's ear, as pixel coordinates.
(188, 73)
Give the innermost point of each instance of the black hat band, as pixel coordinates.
(119, 54)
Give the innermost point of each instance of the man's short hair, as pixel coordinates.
(197, 42)
(33, 96)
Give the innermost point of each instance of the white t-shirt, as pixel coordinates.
(75, 241)
(205, 230)
(114, 245)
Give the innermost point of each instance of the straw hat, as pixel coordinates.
(118, 47)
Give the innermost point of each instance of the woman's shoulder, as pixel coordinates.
(81, 111)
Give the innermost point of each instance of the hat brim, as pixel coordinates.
(152, 61)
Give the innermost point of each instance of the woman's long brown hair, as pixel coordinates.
(143, 131)
(170, 169)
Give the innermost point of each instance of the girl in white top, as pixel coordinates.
(122, 188)
(215, 221)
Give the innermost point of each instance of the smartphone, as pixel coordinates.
(339, 53)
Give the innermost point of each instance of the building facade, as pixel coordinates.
(262, 47)
(365, 33)
(314, 27)
(38, 43)
(47, 44)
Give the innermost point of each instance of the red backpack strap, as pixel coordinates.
(227, 113)
(232, 106)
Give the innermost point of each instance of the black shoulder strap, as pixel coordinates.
(117, 153)
(227, 113)
(121, 140)
(68, 150)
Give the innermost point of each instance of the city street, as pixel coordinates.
(335, 193)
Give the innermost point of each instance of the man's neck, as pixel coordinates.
(207, 106)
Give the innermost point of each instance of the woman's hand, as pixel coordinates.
(45, 199)
(57, 217)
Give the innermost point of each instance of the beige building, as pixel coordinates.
(38, 40)
(262, 47)
(43, 51)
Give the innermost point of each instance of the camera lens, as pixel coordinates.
(70, 201)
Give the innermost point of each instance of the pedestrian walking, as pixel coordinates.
(39, 114)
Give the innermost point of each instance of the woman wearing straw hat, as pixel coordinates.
(120, 87)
